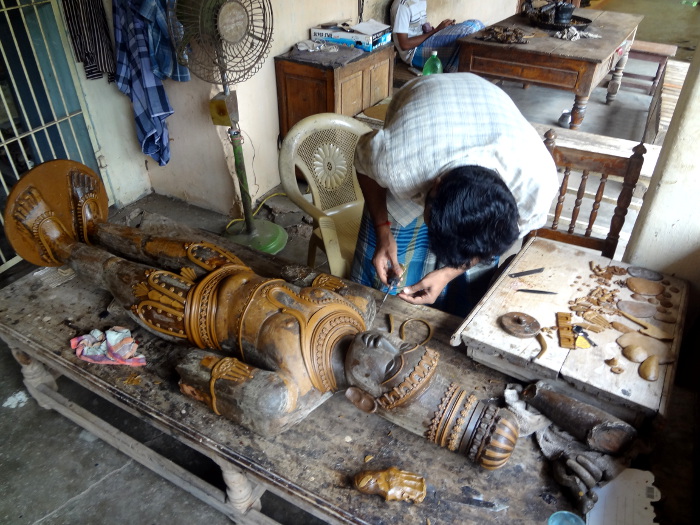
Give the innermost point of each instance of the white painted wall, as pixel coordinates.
(201, 165)
(121, 160)
(198, 172)
(489, 12)
(666, 236)
(111, 121)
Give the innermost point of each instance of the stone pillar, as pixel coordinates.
(666, 236)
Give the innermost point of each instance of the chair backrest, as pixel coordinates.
(322, 149)
(608, 171)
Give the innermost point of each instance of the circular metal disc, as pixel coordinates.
(644, 273)
(519, 324)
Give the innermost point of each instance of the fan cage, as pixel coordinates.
(199, 45)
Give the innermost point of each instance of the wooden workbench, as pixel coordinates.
(581, 373)
(309, 465)
(575, 66)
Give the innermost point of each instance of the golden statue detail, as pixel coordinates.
(281, 350)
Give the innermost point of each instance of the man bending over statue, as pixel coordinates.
(454, 178)
(283, 350)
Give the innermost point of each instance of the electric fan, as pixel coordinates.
(225, 42)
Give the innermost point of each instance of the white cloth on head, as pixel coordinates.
(408, 16)
(440, 122)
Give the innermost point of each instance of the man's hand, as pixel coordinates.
(445, 23)
(385, 258)
(427, 290)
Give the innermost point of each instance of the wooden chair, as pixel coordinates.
(591, 165)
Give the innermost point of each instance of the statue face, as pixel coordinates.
(376, 359)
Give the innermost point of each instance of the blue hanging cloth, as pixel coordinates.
(135, 78)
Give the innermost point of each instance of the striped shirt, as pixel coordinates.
(136, 80)
(408, 16)
(163, 58)
(89, 33)
(440, 122)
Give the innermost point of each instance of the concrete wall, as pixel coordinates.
(200, 169)
(110, 116)
(666, 236)
(438, 10)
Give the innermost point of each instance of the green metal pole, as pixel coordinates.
(237, 143)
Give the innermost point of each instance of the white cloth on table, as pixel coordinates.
(440, 122)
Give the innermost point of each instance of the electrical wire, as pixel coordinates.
(258, 208)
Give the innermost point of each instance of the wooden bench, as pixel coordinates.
(605, 145)
(650, 52)
(663, 103)
(310, 465)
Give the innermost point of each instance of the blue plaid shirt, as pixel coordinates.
(163, 59)
(136, 80)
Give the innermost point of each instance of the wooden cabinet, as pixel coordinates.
(306, 88)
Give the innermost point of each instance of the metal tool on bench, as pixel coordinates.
(526, 272)
(529, 290)
(522, 325)
(393, 283)
(580, 332)
(470, 497)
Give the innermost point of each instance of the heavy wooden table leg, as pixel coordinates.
(616, 81)
(578, 111)
(35, 374)
(241, 493)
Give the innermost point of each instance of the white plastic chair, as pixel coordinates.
(322, 149)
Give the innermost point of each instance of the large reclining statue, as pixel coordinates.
(281, 349)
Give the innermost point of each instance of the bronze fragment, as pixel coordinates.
(392, 484)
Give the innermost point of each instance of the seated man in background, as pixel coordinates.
(453, 179)
(415, 39)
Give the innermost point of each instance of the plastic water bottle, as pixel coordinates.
(432, 65)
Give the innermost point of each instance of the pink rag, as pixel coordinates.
(115, 347)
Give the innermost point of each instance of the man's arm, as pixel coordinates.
(427, 290)
(407, 42)
(385, 254)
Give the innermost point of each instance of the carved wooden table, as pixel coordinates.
(551, 62)
(581, 373)
(309, 465)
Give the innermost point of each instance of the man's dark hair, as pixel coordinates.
(473, 214)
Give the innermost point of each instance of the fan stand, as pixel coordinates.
(259, 234)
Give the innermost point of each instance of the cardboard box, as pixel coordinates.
(336, 35)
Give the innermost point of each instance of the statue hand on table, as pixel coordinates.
(393, 484)
(574, 476)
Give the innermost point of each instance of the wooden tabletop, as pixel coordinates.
(614, 29)
(580, 372)
(312, 463)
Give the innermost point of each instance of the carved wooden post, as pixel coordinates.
(239, 489)
(579, 198)
(596, 203)
(35, 374)
(616, 80)
(634, 168)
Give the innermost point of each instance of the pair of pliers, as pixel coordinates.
(393, 283)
